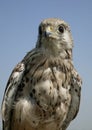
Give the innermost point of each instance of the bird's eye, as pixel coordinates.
(61, 29)
(40, 30)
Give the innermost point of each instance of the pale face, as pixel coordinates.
(54, 34)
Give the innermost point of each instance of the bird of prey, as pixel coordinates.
(43, 91)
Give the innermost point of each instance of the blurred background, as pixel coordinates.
(19, 20)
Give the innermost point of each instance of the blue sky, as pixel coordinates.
(19, 20)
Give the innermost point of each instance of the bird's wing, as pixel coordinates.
(10, 92)
(76, 83)
(75, 91)
(13, 84)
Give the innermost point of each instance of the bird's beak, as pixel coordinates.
(48, 31)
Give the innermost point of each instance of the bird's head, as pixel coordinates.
(54, 35)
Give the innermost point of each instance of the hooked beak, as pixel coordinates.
(48, 32)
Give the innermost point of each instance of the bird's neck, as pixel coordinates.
(66, 54)
(63, 54)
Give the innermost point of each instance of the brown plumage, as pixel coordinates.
(43, 91)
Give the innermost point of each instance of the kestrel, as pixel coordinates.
(43, 91)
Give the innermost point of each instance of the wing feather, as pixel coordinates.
(9, 95)
(75, 91)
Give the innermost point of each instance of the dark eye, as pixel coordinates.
(61, 29)
(40, 30)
